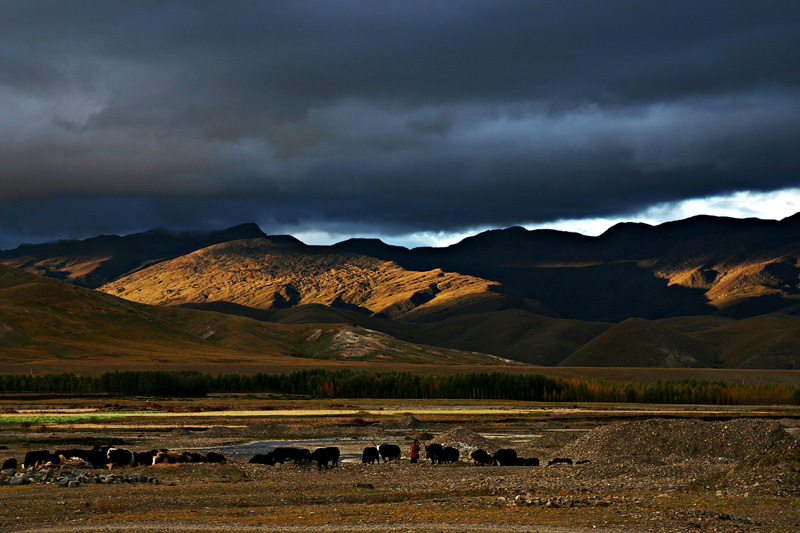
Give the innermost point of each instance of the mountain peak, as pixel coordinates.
(249, 230)
(372, 248)
(95, 261)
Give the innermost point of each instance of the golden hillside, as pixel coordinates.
(274, 274)
(45, 323)
(737, 280)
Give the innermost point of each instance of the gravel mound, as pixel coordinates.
(548, 444)
(407, 422)
(467, 440)
(181, 432)
(669, 441)
(422, 436)
(776, 474)
(222, 431)
(266, 430)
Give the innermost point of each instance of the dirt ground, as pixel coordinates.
(647, 468)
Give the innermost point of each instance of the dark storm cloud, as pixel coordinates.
(392, 116)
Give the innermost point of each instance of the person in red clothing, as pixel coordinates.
(415, 451)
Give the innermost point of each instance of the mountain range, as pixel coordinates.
(701, 292)
(46, 323)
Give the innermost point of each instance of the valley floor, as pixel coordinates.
(651, 468)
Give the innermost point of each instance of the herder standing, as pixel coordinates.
(415, 451)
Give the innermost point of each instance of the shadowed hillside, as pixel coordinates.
(639, 342)
(701, 265)
(514, 333)
(767, 341)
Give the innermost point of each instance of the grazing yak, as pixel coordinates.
(389, 452)
(9, 464)
(441, 455)
(262, 459)
(119, 457)
(505, 457)
(97, 456)
(433, 452)
(192, 457)
(370, 455)
(169, 457)
(298, 456)
(39, 457)
(144, 458)
(78, 453)
(329, 457)
(559, 461)
(280, 455)
(481, 457)
(214, 457)
(73, 456)
(449, 455)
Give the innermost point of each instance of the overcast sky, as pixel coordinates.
(414, 121)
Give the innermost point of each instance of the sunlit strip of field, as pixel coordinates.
(71, 410)
(289, 413)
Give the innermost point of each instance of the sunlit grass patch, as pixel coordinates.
(56, 418)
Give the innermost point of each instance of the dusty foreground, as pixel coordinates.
(723, 471)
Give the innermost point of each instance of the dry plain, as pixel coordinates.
(650, 468)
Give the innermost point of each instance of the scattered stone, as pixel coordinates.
(558, 502)
(19, 479)
(74, 478)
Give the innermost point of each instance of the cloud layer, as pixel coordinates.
(386, 117)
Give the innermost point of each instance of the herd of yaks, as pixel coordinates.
(111, 456)
(438, 454)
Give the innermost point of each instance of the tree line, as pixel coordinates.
(320, 383)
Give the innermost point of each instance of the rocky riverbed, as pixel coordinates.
(737, 474)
